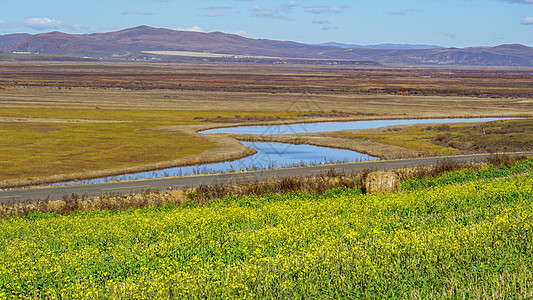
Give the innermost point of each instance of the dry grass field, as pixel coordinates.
(53, 144)
(444, 139)
(62, 121)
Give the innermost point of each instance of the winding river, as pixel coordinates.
(334, 126)
(277, 155)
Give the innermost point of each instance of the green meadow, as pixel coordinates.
(96, 139)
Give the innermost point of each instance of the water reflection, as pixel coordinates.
(276, 155)
(269, 155)
(334, 126)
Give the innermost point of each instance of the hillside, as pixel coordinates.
(382, 46)
(503, 55)
(144, 38)
(10, 39)
(131, 42)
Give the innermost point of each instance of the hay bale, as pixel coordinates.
(381, 183)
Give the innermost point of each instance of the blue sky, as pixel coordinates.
(457, 23)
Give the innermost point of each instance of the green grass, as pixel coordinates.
(413, 138)
(468, 174)
(148, 117)
(45, 149)
(39, 150)
(487, 137)
(453, 241)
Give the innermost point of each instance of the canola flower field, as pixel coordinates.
(466, 239)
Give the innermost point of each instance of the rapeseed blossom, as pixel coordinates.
(470, 240)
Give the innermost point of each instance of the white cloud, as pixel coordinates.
(527, 21)
(320, 9)
(82, 27)
(194, 28)
(239, 32)
(47, 24)
(257, 8)
(277, 12)
(216, 13)
(42, 23)
(219, 6)
(259, 11)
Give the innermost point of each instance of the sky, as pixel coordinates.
(448, 23)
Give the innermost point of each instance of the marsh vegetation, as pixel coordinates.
(88, 120)
(447, 139)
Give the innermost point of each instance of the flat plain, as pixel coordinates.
(454, 231)
(63, 121)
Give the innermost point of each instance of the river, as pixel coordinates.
(277, 155)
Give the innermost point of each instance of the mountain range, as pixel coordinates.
(382, 46)
(133, 42)
(11, 39)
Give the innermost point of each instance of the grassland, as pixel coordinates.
(460, 238)
(488, 137)
(493, 137)
(91, 119)
(68, 148)
(253, 78)
(47, 142)
(397, 142)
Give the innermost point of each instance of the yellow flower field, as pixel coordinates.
(455, 241)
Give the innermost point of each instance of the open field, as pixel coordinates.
(95, 119)
(469, 235)
(457, 233)
(443, 139)
(447, 81)
(79, 143)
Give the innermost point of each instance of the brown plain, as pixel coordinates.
(286, 93)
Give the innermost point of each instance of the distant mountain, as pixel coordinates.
(381, 46)
(144, 38)
(503, 55)
(11, 39)
(131, 42)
